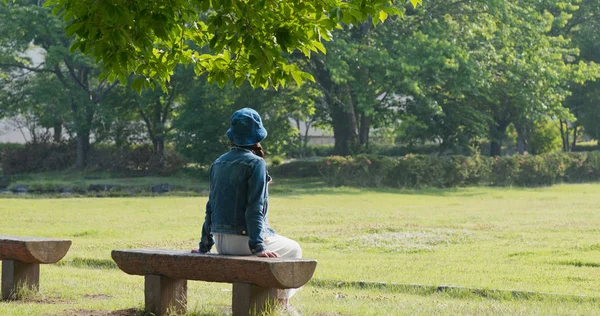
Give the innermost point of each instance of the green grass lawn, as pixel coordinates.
(542, 244)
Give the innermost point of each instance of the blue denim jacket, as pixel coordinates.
(238, 199)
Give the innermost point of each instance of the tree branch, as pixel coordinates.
(74, 76)
(21, 66)
(100, 96)
(147, 121)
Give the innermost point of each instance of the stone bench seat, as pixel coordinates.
(21, 258)
(255, 280)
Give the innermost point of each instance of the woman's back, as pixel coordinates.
(237, 184)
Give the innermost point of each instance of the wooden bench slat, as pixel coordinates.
(265, 272)
(33, 249)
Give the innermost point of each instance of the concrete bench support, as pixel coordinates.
(21, 258)
(250, 299)
(164, 295)
(255, 280)
(17, 274)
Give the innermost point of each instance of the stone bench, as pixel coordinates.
(255, 280)
(21, 258)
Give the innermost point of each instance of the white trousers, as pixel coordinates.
(237, 245)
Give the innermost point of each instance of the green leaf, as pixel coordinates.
(308, 76)
(163, 87)
(74, 47)
(297, 75)
(73, 28)
(391, 10)
(319, 46)
(205, 5)
(416, 2)
(138, 84)
(123, 79)
(239, 81)
(383, 16)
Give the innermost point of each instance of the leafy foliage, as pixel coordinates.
(228, 40)
(62, 90)
(544, 137)
(512, 65)
(203, 119)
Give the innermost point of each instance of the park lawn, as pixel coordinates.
(533, 240)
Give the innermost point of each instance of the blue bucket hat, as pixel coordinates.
(246, 128)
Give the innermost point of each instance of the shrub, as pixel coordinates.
(336, 170)
(418, 171)
(373, 149)
(38, 158)
(276, 160)
(362, 170)
(415, 171)
(297, 169)
(43, 157)
(584, 167)
(421, 171)
(505, 170)
(402, 150)
(7, 147)
(373, 169)
(322, 150)
(543, 170)
(5, 181)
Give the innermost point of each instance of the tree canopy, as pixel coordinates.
(227, 39)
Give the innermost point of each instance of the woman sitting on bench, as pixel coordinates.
(236, 212)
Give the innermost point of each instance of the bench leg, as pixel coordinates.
(16, 274)
(249, 299)
(165, 295)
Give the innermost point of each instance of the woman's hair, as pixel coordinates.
(257, 149)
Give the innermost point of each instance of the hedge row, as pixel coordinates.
(421, 171)
(586, 147)
(52, 157)
(374, 149)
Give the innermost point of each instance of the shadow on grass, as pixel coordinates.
(141, 312)
(89, 263)
(122, 312)
(458, 292)
(579, 263)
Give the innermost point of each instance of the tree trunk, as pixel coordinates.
(159, 149)
(521, 136)
(574, 144)
(562, 136)
(300, 151)
(344, 132)
(83, 117)
(57, 132)
(497, 135)
(575, 127)
(495, 148)
(304, 144)
(83, 148)
(345, 128)
(365, 127)
(343, 118)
